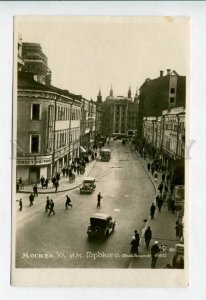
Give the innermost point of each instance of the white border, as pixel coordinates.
(197, 10)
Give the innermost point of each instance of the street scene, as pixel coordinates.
(99, 178)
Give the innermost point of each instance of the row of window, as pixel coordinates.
(62, 113)
(65, 137)
(62, 138)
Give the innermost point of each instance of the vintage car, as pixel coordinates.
(88, 185)
(101, 225)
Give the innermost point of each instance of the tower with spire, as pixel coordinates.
(130, 93)
(99, 97)
(111, 92)
(136, 96)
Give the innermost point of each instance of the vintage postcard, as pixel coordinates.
(100, 130)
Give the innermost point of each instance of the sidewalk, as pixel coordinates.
(64, 184)
(39, 202)
(163, 231)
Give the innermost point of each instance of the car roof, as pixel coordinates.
(106, 149)
(101, 216)
(89, 179)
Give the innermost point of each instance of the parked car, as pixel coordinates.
(101, 225)
(88, 185)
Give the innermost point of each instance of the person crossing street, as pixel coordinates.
(68, 202)
(99, 197)
(51, 208)
(47, 204)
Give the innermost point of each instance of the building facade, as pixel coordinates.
(164, 136)
(120, 115)
(48, 128)
(163, 93)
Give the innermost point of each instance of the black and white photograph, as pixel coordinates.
(100, 148)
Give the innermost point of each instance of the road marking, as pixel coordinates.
(126, 196)
(116, 209)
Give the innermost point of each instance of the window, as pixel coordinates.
(172, 100)
(172, 90)
(35, 112)
(34, 143)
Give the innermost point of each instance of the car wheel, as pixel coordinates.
(107, 233)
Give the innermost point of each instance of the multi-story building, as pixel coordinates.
(48, 128)
(35, 61)
(164, 137)
(162, 93)
(120, 115)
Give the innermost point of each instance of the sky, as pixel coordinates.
(89, 53)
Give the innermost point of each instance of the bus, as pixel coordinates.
(105, 154)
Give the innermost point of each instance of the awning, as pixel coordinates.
(82, 149)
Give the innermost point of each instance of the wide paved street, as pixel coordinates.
(61, 240)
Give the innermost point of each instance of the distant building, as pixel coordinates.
(120, 115)
(163, 93)
(35, 61)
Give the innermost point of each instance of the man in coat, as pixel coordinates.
(68, 202)
(147, 236)
(31, 199)
(51, 208)
(152, 210)
(155, 250)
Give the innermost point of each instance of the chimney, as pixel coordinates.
(161, 73)
(168, 71)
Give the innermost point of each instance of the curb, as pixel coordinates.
(60, 191)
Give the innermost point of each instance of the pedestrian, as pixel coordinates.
(155, 176)
(63, 171)
(17, 186)
(20, 204)
(56, 186)
(31, 199)
(177, 229)
(152, 168)
(21, 184)
(169, 203)
(35, 190)
(68, 202)
(136, 234)
(134, 246)
(147, 236)
(152, 210)
(46, 183)
(163, 177)
(160, 187)
(78, 169)
(99, 197)
(178, 261)
(148, 167)
(173, 205)
(159, 202)
(154, 253)
(51, 208)
(73, 177)
(53, 180)
(57, 176)
(47, 204)
(168, 178)
(95, 154)
(42, 181)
